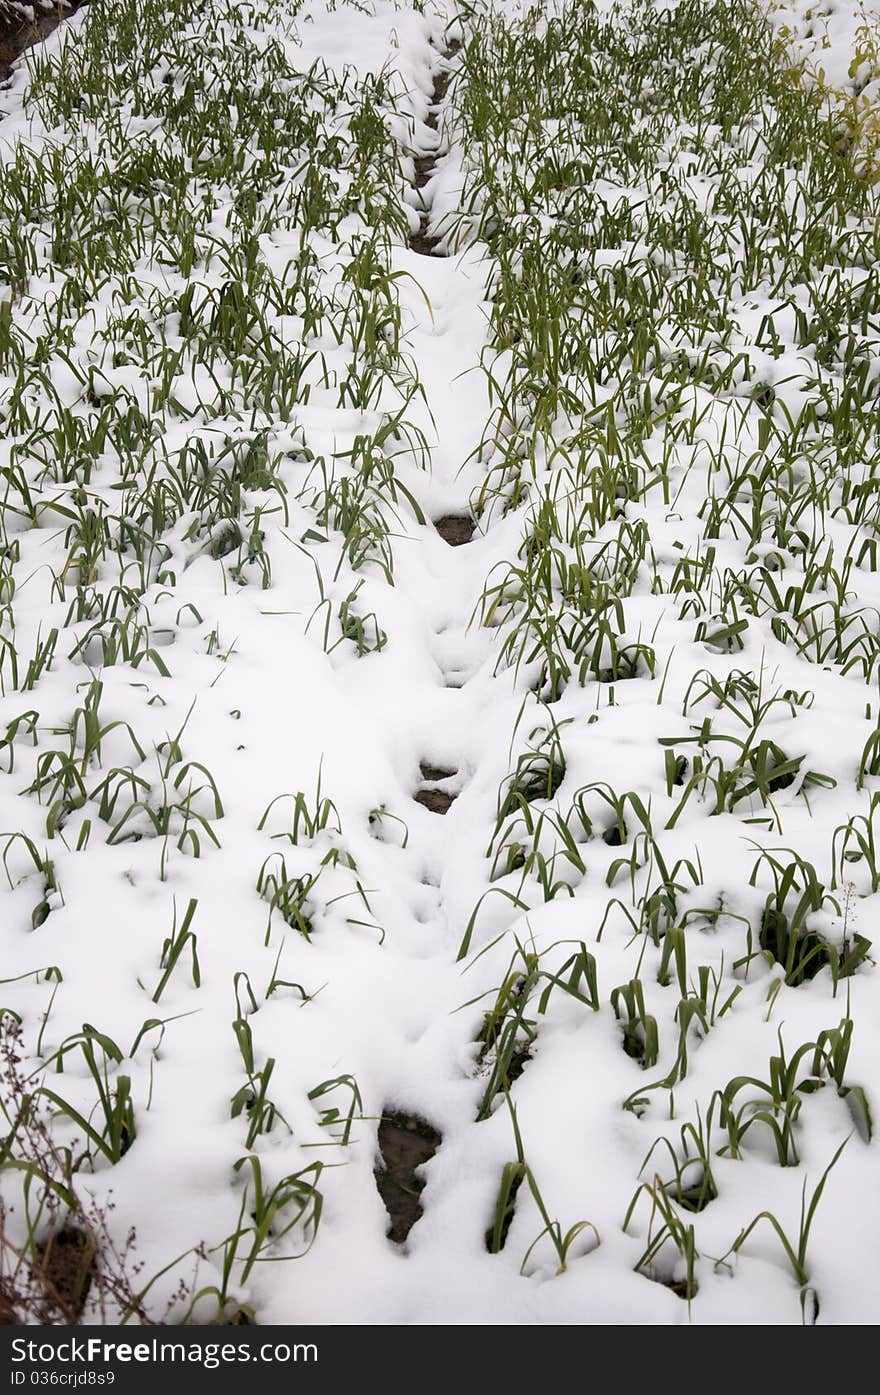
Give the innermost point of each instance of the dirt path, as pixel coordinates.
(444, 312)
(425, 241)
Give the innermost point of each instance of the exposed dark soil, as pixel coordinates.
(56, 1289)
(18, 33)
(679, 1287)
(436, 801)
(424, 169)
(435, 772)
(455, 528)
(421, 243)
(405, 1143)
(68, 1264)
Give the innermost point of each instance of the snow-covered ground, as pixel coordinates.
(832, 39)
(627, 976)
(834, 50)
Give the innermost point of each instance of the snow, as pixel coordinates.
(246, 692)
(827, 36)
(834, 49)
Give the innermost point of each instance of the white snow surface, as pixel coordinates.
(832, 39)
(260, 687)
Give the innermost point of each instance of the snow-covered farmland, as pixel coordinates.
(439, 648)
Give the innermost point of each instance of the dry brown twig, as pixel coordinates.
(59, 1260)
